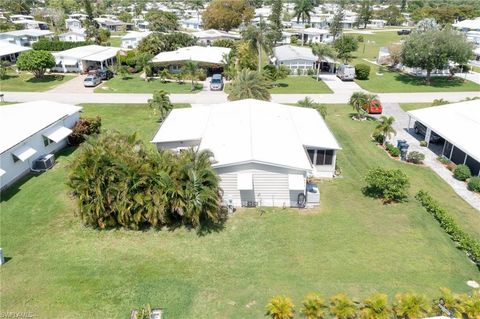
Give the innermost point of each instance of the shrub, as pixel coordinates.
(462, 172)
(360, 38)
(389, 184)
(299, 71)
(451, 166)
(474, 184)
(310, 72)
(225, 43)
(415, 157)
(443, 160)
(57, 45)
(362, 71)
(378, 137)
(423, 143)
(437, 102)
(83, 128)
(393, 150)
(465, 241)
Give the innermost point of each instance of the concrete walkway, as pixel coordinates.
(471, 76)
(401, 125)
(339, 86)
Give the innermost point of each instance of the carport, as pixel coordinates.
(459, 125)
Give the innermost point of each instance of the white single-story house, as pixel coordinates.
(316, 21)
(133, 38)
(25, 37)
(210, 57)
(459, 125)
(10, 52)
(191, 24)
(18, 17)
(468, 25)
(84, 58)
(31, 24)
(377, 23)
(29, 131)
(113, 24)
(263, 151)
(473, 36)
(76, 35)
(211, 35)
(73, 24)
(294, 58)
(78, 16)
(315, 35)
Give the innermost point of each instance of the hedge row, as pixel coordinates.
(465, 241)
(55, 45)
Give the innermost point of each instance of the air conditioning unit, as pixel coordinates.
(43, 163)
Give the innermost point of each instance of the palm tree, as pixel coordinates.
(322, 50)
(196, 5)
(249, 85)
(385, 128)
(303, 10)
(342, 307)
(163, 75)
(313, 307)
(411, 306)
(308, 102)
(161, 103)
(280, 307)
(259, 39)
(358, 100)
(375, 307)
(471, 305)
(191, 70)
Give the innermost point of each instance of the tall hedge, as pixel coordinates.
(465, 241)
(56, 45)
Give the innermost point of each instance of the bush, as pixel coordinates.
(57, 45)
(443, 160)
(299, 71)
(464, 240)
(311, 72)
(474, 184)
(437, 102)
(451, 166)
(393, 150)
(83, 128)
(378, 137)
(415, 157)
(360, 38)
(389, 184)
(362, 71)
(423, 143)
(462, 172)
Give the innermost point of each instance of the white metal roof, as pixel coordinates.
(468, 24)
(136, 35)
(212, 33)
(314, 31)
(22, 120)
(458, 123)
(7, 48)
(212, 55)
(88, 53)
(290, 52)
(250, 131)
(28, 32)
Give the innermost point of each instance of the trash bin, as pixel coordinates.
(400, 143)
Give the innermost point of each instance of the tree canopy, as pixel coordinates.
(158, 42)
(344, 46)
(249, 85)
(35, 61)
(227, 14)
(162, 21)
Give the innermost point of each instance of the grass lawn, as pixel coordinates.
(134, 84)
(115, 41)
(300, 85)
(25, 82)
(414, 106)
(60, 269)
(373, 42)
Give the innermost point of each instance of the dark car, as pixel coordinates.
(421, 129)
(105, 74)
(404, 32)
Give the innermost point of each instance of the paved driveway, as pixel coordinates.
(75, 85)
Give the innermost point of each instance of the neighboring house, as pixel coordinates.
(18, 17)
(113, 25)
(133, 38)
(294, 58)
(211, 35)
(377, 23)
(78, 16)
(468, 25)
(73, 24)
(25, 37)
(32, 24)
(191, 24)
(29, 131)
(10, 52)
(473, 36)
(286, 38)
(456, 123)
(317, 21)
(77, 35)
(314, 35)
(476, 52)
(211, 58)
(263, 151)
(84, 58)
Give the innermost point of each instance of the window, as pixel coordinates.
(46, 141)
(324, 157)
(328, 157)
(320, 157)
(15, 159)
(311, 154)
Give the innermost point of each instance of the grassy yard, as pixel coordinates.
(60, 269)
(414, 106)
(300, 85)
(25, 82)
(115, 41)
(134, 84)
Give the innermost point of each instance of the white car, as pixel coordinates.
(346, 72)
(92, 81)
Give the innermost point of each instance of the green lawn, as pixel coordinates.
(115, 41)
(373, 42)
(25, 82)
(300, 85)
(414, 106)
(60, 269)
(134, 84)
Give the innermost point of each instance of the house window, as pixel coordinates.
(46, 141)
(324, 157)
(15, 159)
(320, 157)
(311, 154)
(328, 157)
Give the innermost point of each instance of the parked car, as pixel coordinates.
(91, 81)
(404, 32)
(346, 72)
(374, 108)
(216, 84)
(421, 129)
(105, 74)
